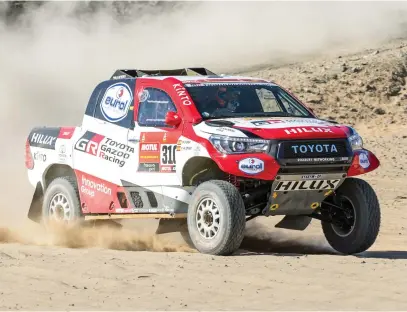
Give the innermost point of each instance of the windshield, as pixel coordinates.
(220, 100)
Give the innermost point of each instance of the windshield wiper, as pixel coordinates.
(263, 114)
(274, 114)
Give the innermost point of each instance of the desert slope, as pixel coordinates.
(275, 269)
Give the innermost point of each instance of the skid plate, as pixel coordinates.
(297, 194)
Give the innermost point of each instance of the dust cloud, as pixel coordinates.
(52, 57)
(103, 236)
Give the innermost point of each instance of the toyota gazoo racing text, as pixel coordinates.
(204, 153)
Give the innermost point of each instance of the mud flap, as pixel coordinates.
(299, 223)
(35, 211)
(171, 225)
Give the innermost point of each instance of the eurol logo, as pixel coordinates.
(364, 160)
(251, 165)
(116, 102)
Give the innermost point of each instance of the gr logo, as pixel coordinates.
(89, 143)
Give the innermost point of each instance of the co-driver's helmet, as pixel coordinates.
(227, 98)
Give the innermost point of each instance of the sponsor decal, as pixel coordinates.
(181, 145)
(160, 148)
(182, 93)
(214, 83)
(168, 169)
(89, 187)
(149, 147)
(89, 143)
(225, 129)
(115, 152)
(110, 150)
(66, 132)
(290, 125)
(148, 153)
(44, 138)
(311, 148)
(364, 160)
(311, 176)
(116, 102)
(321, 159)
(62, 153)
(251, 165)
(307, 185)
(149, 157)
(266, 122)
(162, 209)
(308, 130)
(149, 167)
(143, 95)
(40, 156)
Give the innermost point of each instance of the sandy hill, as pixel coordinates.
(369, 86)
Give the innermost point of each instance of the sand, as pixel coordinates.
(274, 270)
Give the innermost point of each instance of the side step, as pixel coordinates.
(136, 216)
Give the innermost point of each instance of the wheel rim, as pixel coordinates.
(208, 218)
(59, 209)
(347, 218)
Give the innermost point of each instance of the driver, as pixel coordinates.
(227, 98)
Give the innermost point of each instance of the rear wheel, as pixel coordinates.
(61, 202)
(216, 218)
(354, 216)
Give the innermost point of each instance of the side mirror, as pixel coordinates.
(172, 119)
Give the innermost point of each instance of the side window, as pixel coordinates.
(268, 100)
(115, 103)
(154, 105)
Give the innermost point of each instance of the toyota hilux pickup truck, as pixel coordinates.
(207, 151)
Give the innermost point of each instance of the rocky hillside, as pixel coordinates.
(367, 87)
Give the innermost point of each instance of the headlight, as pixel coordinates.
(355, 140)
(231, 145)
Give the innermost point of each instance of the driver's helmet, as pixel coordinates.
(227, 98)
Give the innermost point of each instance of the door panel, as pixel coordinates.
(101, 151)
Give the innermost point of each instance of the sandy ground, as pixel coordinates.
(274, 270)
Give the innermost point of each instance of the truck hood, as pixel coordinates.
(275, 128)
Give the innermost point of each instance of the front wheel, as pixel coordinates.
(354, 217)
(216, 218)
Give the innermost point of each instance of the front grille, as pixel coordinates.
(313, 169)
(314, 152)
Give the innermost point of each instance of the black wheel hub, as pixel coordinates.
(208, 218)
(339, 211)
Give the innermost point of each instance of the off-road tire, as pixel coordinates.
(68, 187)
(367, 224)
(232, 218)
